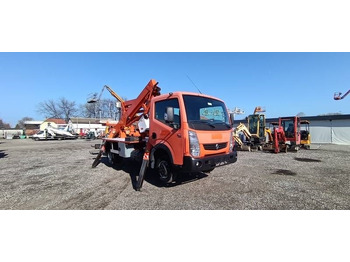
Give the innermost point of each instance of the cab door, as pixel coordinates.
(165, 134)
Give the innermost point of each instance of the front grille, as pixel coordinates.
(217, 146)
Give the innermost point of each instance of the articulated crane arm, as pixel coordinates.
(258, 109)
(133, 110)
(337, 96)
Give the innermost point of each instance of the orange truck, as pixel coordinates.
(175, 132)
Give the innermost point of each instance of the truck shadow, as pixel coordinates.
(132, 167)
(2, 154)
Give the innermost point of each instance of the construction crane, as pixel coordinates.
(236, 111)
(259, 109)
(95, 99)
(338, 95)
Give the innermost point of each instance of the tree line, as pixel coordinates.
(64, 109)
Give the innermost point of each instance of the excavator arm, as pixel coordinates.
(279, 138)
(241, 128)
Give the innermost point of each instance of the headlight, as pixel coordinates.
(232, 142)
(194, 144)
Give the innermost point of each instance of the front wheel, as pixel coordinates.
(164, 170)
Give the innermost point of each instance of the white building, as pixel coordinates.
(84, 125)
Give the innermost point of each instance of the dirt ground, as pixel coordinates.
(57, 175)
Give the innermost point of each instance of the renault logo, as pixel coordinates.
(217, 146)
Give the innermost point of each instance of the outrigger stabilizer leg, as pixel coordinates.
(98, 157)
(142, 172)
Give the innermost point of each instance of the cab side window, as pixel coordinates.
(160, 111)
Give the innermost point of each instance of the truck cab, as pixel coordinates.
(42, 135)
(190, 132)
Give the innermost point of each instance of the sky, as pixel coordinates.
(284, 83)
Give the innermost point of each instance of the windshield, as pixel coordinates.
(256, 125)
(253, 123)
(206, 114)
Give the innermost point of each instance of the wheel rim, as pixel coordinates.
(110, 157)
(163, 170)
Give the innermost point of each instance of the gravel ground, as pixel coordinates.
(58, 175)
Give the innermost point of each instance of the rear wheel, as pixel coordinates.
(113, 158)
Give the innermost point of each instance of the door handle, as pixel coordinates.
(154, 135)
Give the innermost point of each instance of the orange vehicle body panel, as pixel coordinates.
(177, 141)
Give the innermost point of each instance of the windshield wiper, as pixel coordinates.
(203, 122)
(209, 124)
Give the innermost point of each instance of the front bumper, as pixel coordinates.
(208, 163)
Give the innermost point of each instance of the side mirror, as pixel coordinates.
(232, 118)
(169, 115)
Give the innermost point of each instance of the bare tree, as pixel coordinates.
(49, 108)
(104, 108)
(58, 109)
(88, 110)
(107, 108)
(20, 124)
(4, 125)
(67, 108)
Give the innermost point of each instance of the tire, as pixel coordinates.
(113, 158)
(164, 170)
(36, 139)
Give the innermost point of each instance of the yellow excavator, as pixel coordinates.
(254, 135)
(305, 137)
(256, 127)
(242, 143)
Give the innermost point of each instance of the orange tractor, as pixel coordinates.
(180, 131)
